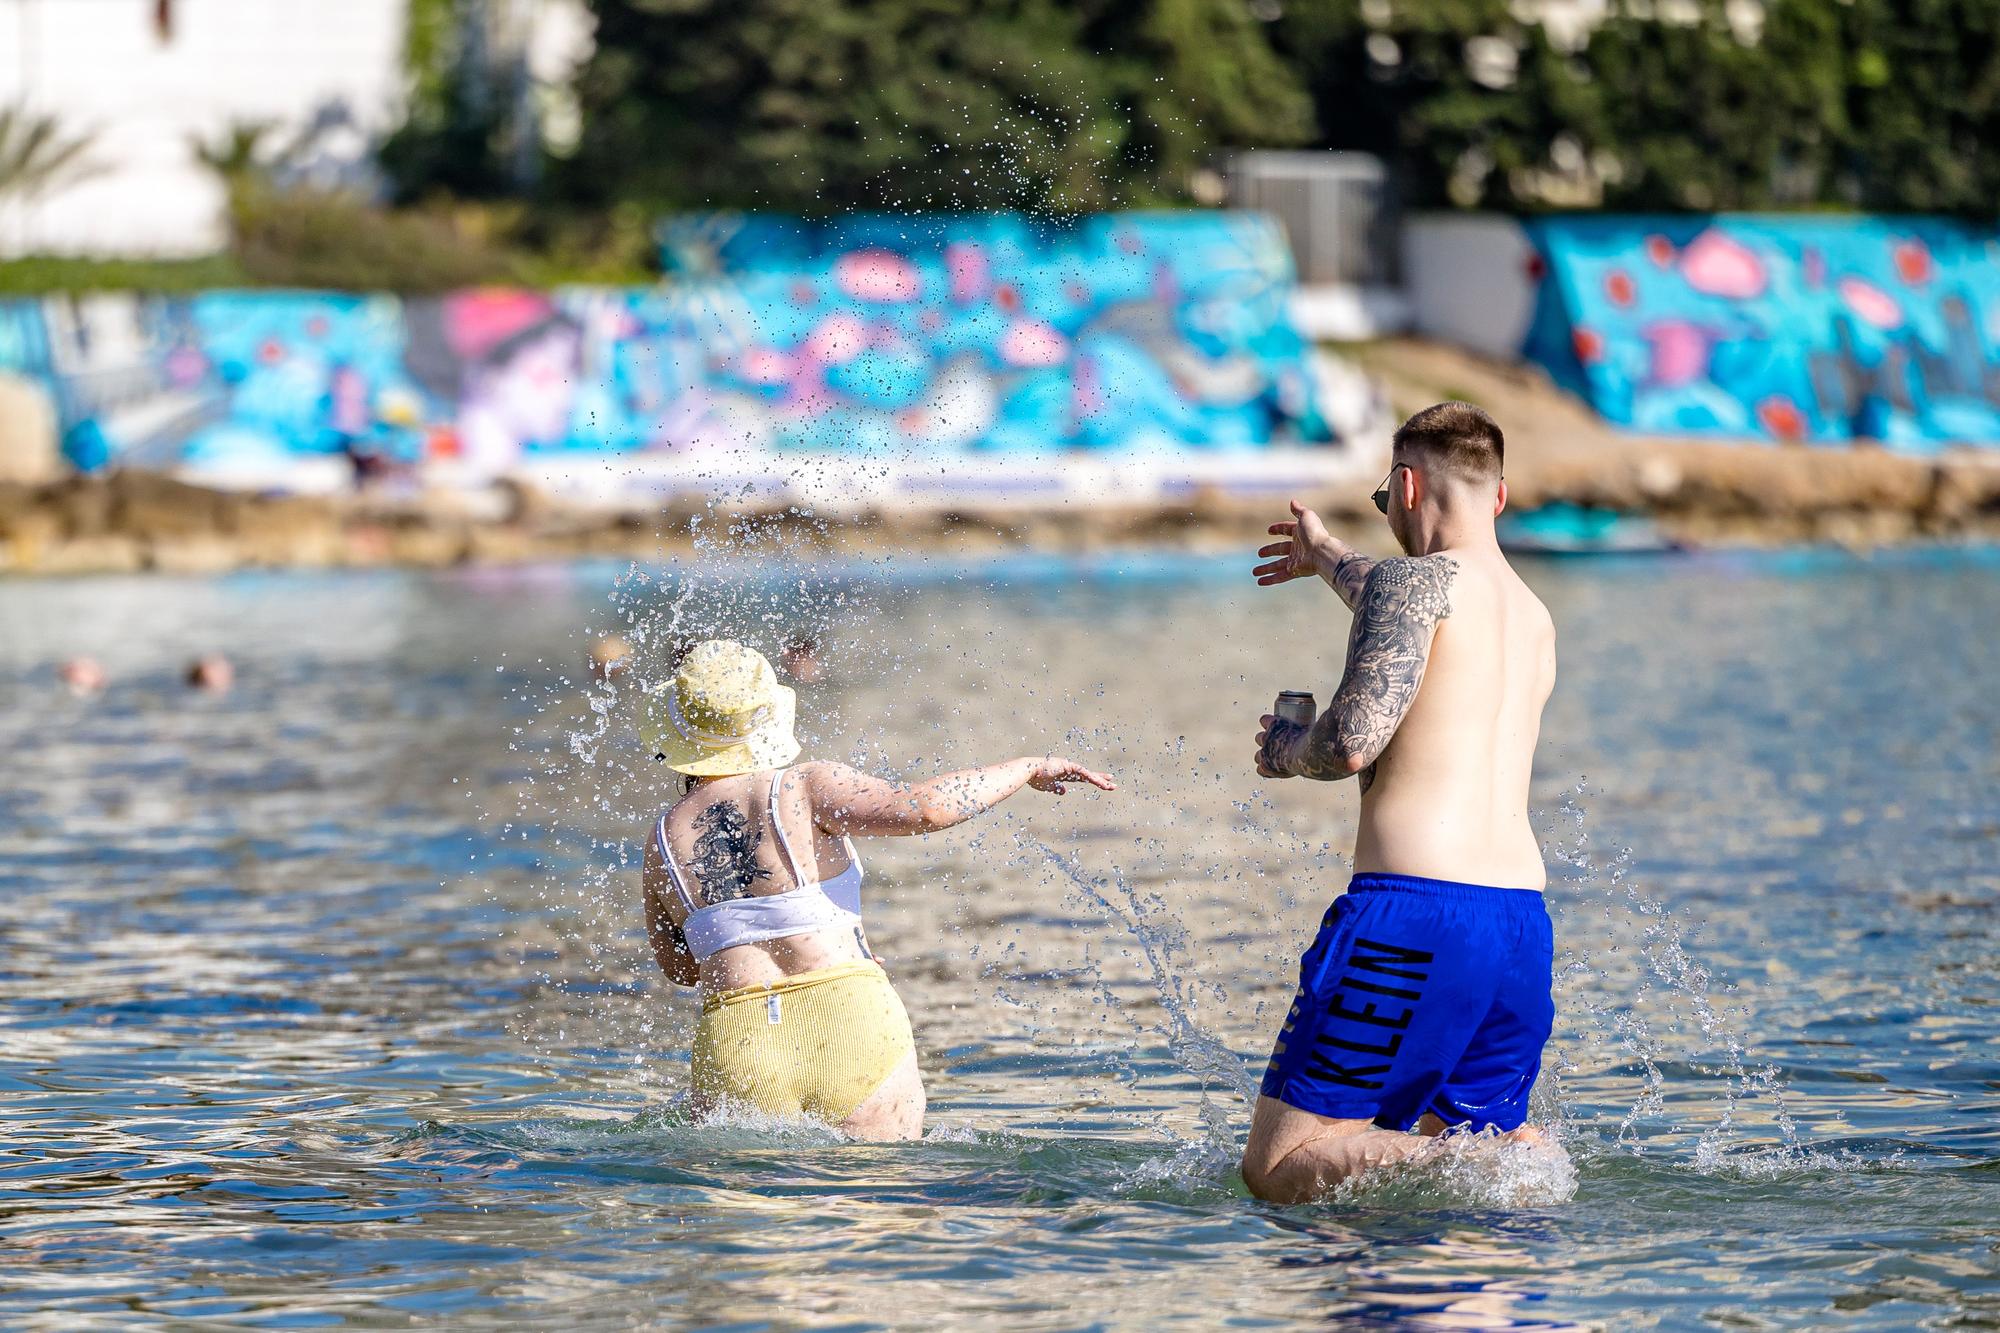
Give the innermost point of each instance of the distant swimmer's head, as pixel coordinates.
(610, 656)
(1450, 457)
(723, 713)
(212, 672)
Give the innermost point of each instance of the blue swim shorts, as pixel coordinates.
(1420, 995)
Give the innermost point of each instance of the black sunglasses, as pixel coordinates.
(1381, 495)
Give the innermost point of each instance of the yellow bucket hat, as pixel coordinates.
(723, 713)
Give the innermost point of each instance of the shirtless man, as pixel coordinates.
(1424, 1002)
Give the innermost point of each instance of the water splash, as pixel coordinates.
(1672, 994)
(1163, 941)
(1481, 1169)
(1476, 1168)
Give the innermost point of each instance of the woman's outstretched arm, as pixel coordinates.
(847, 801)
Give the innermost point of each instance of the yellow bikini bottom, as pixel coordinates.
(815, 1044)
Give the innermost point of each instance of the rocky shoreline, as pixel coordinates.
(1700, 495)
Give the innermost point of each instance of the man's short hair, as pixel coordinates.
(1459, 437)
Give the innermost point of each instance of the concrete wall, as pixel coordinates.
(1795, 328)
(1128, 333)
(1798, 328)
(1471, 280)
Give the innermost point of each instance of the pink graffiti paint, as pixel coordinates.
(1870, 303)
(519, 393)
(1031, 342)
(1715, 264)
(1679, 352)
(836, 340)
(877, 275)
(764, 365)
(349, 401)
(1781, 417)
(1813, 265)
(969, 275)
(543, 373)
(185, 366)
(1913, 262)
(477, 322)
(1086, 398)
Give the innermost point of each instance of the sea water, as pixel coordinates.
(327, 1000)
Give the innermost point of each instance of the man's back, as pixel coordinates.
(1424, 1001)
(1448, 798)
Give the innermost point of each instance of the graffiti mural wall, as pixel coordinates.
(1794, 329)
(980, 335)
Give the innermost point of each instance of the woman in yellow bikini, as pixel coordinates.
(753, 894)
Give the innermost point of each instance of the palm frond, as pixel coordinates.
(36, 155)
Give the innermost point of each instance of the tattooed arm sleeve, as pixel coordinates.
(1394, 624)
(1349, 576)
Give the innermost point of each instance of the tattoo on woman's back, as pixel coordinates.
(725, 853)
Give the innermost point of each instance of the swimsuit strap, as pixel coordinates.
(673, 871)
(853, 857)
(784, 843)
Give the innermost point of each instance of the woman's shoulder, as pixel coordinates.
(828, 788)
(820, 776)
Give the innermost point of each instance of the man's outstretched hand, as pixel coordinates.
(1307, 549)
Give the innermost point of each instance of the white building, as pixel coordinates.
(148, 80)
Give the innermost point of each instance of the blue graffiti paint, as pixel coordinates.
(866, 335)
(1799, 329)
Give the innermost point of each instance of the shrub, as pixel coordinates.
(319, 238)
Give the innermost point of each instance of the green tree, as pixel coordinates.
(1394, 81)
(463, 135)
(1194, 76)
(1882, 104)
(1697, 117)
(823, 105)
(1921, 83)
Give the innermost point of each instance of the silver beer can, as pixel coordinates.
(1296, 706)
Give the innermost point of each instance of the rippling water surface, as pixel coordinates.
(326, 1000)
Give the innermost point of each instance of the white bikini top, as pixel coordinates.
(806, 907)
